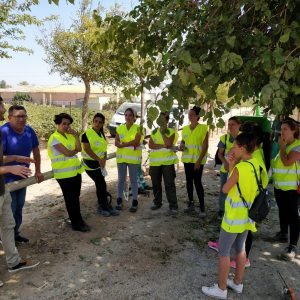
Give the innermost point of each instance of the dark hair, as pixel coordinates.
(255, 129)
(293, 126)
(99, 115)
(131, 110)
(235, 119)
(15, 107)
(196, 109)
(58, 118)
(166, 115)
(247, 141)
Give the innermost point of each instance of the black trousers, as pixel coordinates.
(168, 174)
(248, 244)
(101, 189)
(287, 202)
(71, 191)
(194, 177)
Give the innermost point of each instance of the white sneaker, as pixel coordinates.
(214, 292)
(1, 283)
(238, 288)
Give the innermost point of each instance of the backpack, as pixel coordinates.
(217, 159)
(261, 205)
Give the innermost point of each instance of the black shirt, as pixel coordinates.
(90, 163)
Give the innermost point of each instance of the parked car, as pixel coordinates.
(118, 118)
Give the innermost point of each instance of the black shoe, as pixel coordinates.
(155, 206)
(119, 205)
(134, 206)
(189, 209)
(21, 239)
(83, 227)
(113, 212)
(22, 265)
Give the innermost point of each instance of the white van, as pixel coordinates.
(119, 118)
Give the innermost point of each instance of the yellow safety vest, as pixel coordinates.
(98, 145)
(162, 156)
(228, 146)
(129, 155)
(286, 177)
(236, 218)
(193, 143)
(259, 155)
(64, 166)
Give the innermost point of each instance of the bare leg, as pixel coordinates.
(224, 266)
(240, 267)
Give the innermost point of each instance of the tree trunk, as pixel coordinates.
(85, 105)
(142, 102)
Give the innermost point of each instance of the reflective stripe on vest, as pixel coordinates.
(236, 218)
(129, 155)
(66, 158)
(163, 156)
(286, 177)
(98, 144)
(64, 166)
(193, 143)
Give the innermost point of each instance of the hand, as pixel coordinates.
(181, 146)
(281, 142)
(102, 162)
(197, 165)
(24, 159)
(20, 171)
(136, 144)
(226, 165)
(39, 177)
(118, 144)
(231, 158)
(72, 131)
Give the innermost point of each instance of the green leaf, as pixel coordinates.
(184, 77)
(196, 68)
(278, 56)
(230, 40)
(186, 57)
(284, 38)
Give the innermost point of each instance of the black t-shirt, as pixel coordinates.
(2, 183)
(90, 163)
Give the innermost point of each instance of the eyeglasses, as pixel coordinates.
(20, 117)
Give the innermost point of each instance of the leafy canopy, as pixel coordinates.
(253, 46)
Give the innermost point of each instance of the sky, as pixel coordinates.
(32, 68)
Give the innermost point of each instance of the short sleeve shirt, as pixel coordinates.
(17, 144)
(2, 184)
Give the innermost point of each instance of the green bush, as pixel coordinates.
(41, 118)
(20, 98)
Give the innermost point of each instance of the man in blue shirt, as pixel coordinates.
(20, 139)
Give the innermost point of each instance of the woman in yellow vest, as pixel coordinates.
(236, 223)
(162, 159)
(129, 155)
(94, 153)
(194, 145)
(63, 146)
(224, 146)
(286, 170)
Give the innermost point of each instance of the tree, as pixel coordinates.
(19, 98)
(24, 82)
(253, 45)
(4, 85)
(72, 53)
(13, 15)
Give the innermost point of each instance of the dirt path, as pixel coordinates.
(146, 255)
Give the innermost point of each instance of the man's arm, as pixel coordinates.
(16, 170)
(18, 158)
(37, 158)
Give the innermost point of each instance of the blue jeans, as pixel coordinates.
(122, 171)
(222, 196)
(17, 203)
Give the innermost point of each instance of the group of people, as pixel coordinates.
(240, 151)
